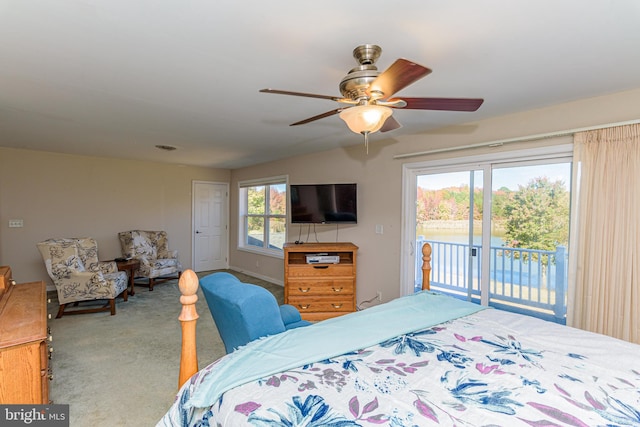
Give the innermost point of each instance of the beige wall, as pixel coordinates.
(379, 177)
(58, 195)
(63, 195)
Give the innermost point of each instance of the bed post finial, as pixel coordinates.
(188, 285)
(426, 267)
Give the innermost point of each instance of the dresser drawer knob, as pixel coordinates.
(321, 267)
(304, 291)
(337, 289)
(337, 305)
(304, 306)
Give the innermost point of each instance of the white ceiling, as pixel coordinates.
(117, 77)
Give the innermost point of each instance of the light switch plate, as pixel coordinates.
(16, 223)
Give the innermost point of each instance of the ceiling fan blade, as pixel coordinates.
(308, 95)
(395, 78)
(390, 124)
(447, 104)
(319, 116)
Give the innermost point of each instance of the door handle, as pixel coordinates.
(198, 232)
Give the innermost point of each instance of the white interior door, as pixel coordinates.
(210, 219)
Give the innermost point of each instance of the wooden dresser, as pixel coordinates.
(24, 354)
(322, 290)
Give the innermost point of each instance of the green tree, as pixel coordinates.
(500, 199)
(537, 216)
(256, 206)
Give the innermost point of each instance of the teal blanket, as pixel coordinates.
(327, 339)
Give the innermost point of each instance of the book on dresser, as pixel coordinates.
(24, 352)
(320, 278)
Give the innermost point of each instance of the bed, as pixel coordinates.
(424, 359)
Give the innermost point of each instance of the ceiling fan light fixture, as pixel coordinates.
(365, 119)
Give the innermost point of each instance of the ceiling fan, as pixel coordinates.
(367, 94)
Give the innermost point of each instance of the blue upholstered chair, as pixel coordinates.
(244, 312)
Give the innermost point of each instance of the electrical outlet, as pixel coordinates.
(16, 223)
(379, 296)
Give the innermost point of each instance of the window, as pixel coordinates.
(263, 215)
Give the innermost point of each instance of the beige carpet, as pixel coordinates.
(122, 370)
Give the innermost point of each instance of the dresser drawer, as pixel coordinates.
(315, 270)
(23, 335)
(320, 291)
(333, 287)
(333, 304)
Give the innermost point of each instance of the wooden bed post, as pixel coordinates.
(188, 285)
(426, 267)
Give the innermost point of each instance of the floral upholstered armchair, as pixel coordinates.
(151, 248)
(72, 264)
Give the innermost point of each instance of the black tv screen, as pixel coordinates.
(323, 203)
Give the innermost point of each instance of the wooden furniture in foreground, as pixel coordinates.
(188, 318)
(426, 267)
(24, 355)
(320, 291)
(130, 266)
(188, 285)
(6, 278)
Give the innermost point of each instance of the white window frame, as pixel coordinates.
(243, 215)
(411, 170)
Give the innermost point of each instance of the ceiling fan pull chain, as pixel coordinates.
(366, 141)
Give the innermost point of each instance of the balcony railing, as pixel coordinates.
(526, 281)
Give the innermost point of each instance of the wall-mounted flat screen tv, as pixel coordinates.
(323, 203)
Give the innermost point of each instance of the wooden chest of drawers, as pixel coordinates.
(24, 356)
(320, 291)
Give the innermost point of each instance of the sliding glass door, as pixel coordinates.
(507, 247)
(449, 209)
(530, 217)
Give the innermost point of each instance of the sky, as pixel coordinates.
(511, 177)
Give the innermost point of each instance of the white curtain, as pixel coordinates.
(605, 294)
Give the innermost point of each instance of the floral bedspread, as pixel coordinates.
(491, 368)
